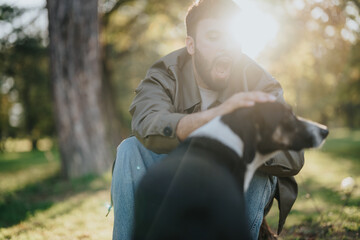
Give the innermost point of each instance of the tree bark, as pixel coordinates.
(77, 87)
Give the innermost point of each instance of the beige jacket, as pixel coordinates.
(169, 92)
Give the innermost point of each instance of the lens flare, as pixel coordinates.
(254, 29)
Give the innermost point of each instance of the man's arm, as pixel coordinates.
(193, 121)
(154, 117)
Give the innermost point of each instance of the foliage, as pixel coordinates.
(9, 13)
(25, 97)
(314, 57)
(133, 37)
(349, 97)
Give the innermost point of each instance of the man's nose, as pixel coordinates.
(229, 45)
(226, 46)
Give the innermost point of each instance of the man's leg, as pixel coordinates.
(132, 162)
(259, 193)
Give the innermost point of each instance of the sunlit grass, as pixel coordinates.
(36, 203)
(18, 145)
(78, 216)
(20, 168)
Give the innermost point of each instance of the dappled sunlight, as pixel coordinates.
(81, 216)
(332, 169)
(30, 175)
(53, 208)
(45, 144)
(18, 145)
(19, 169)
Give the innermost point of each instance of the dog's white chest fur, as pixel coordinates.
(259, 160)
(217, 130)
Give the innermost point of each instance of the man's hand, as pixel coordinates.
(193, 121)
(243, 99)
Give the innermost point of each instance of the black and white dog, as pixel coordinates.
(197, 191)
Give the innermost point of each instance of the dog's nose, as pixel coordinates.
(324, 132)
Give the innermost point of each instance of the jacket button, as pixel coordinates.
(167, 131)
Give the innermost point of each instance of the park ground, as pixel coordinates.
(36, 203)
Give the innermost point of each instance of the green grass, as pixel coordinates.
(36, 203)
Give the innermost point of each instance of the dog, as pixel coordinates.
(197, 191)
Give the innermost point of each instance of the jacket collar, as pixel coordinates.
(186, 83)
(190, 87)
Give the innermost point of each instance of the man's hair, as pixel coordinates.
(202, 9)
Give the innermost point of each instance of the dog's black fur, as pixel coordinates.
(197, 191)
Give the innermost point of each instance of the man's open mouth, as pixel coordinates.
(223, 65)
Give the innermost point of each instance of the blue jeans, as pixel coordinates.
(132, 161)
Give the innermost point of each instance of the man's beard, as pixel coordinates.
(204, 67)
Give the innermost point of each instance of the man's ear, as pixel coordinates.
(190, 45)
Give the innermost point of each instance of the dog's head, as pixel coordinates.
(272, 126)
(278, 128)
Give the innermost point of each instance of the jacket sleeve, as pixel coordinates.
(154, 119)
(286, 163)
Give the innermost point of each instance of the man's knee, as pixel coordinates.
(126, 152)
(130, 144)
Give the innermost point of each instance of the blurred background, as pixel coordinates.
(311, 47)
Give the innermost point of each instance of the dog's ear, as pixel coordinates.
(241, 122)
(269, 114)
(250, 137)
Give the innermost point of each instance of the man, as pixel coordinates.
(186, 89)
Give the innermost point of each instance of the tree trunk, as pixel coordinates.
(77, 87)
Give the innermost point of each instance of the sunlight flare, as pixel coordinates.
(258, 28)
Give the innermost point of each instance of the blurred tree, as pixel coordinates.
(25, 99)
(76, 76)
(349, 87)
(115, 119)
(349, 90)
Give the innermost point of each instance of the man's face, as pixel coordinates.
(214, 53)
